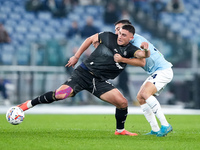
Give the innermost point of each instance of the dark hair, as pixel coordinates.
(129, 28)
(125, 21)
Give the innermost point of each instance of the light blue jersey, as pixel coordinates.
(156, 61)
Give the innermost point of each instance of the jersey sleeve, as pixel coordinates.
(106, 37)
(133, 50)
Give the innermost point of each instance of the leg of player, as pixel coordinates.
(156, 108)
(61, 93)
(116, 98)
(148, 113)
(151, 106)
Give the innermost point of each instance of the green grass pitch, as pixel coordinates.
(96, 132)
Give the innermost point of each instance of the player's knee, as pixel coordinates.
(63, 93)
(141, 97)
(123, 104)
(143, 94)
(59, 97)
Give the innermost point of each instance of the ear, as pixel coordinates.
(131, 38)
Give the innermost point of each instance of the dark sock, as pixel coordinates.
(48, 97)
(120, 116)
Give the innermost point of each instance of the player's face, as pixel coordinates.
(124, 37)
(118, 27)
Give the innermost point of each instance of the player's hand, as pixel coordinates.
(117, 58)
(144, 45)
(72, 62)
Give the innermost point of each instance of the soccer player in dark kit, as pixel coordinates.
(93, 73)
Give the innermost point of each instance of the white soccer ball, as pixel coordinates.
(15, 115)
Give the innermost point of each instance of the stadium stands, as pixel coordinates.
(26, 27)
(189, 20)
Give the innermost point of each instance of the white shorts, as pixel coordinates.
(160, 79)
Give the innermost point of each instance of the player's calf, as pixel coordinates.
(48, 97)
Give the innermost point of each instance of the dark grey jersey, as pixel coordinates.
(101, 61)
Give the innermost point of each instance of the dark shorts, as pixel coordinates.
(82, 79)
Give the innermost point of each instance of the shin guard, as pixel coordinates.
(120, 116)
(48, 97)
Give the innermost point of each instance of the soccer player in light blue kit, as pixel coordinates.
(161, 74)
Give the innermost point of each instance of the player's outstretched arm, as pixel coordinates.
(74, 59)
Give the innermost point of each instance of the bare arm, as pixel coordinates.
(133, 61)
(96, 44)
(145, 53)
(140, 56)
(74, 59)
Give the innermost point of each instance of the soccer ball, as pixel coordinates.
(15, 115)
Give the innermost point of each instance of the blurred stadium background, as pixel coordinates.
(32, 63)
